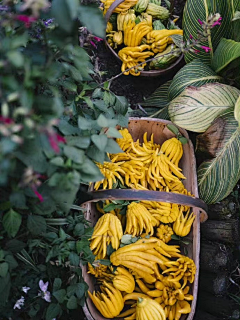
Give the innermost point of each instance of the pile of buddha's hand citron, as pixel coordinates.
(139, 30)
(147, 277)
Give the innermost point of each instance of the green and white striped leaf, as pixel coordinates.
(161, 114)
(226, 52)
(201, 9)
(237, 111)
(218, 177)
(196, 108)
(196, 74)
(158, 98)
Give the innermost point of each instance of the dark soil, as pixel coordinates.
(135, 89)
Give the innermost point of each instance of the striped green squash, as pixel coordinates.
(196, 108)
(217, 177)
(201, 9)
(196, 74)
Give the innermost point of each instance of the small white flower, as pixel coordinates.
(25, 289)
(44, 293)
(19, 303)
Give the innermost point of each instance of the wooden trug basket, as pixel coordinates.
(137, 127)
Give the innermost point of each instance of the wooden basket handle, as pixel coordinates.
(132, 194)
(113, 6)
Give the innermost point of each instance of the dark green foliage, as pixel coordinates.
(55, 122)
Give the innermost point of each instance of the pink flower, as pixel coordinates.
(97, 39)
(190, 36)
(200, 21)
(207, 49)
(40, 197)
(93, 44)
(6, 120)
(217, 23)
(54, 139)
(26, 19)
(61, 139)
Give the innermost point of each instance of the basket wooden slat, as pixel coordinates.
(137, 127)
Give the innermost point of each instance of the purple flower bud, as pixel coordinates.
(44, 293)
(25, 289)
(200, 21)
(93, 44)
(207, 49)
(40, 197)
(19, 303)
(217, 23)
(43, 286)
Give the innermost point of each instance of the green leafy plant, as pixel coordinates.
(196, 108)
(196, 13)
(205, 91)
(56, 121)
(223, 165)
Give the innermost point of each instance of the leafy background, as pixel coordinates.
(56, 121)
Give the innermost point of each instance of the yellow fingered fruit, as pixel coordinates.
(162, 211)
(134, 172)
(166, 168)
(115, 212)
(127, 313)
(145, 269)
(111, 171)
(107, 230)
(173, 149)
(100, 271)
(138, 219)
(139, 31)
(170, 294)
(109, 302)
(128, 31)
(157, 35)
(160, 45)
(123, 280)
(161, 247)
(131, 56)
(164, 233)
(182, 307)
(126, 140)
(109, 27)
(135, 257)
(123, 17)
(182, 225)
(123, 7)
(184, 268)
(149, 309)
